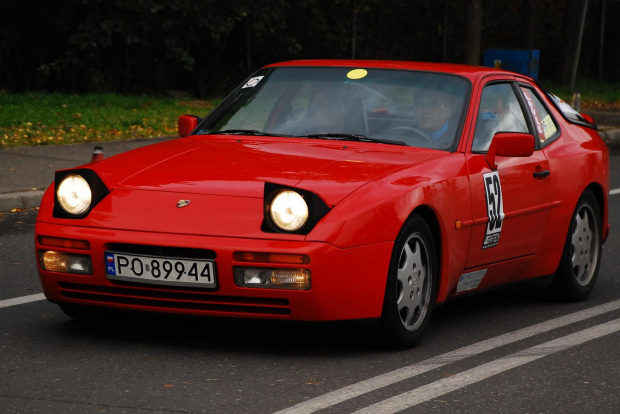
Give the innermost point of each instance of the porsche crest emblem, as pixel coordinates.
(182, 203)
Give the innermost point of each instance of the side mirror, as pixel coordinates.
(186, 124)
(510, 144)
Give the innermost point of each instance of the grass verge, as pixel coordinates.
(52, 119)
(595, 95)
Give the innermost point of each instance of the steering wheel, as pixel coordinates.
(418, 134)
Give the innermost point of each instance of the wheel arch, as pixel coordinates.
(599, 194)
(429, 215)
(578, 267)
(403, 323)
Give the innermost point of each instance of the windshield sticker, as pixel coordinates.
(357, 74)
(469, 281)
(495, 209)
(252, 82)
(548, 127)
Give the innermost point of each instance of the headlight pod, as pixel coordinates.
(291, 210)
(74, 194)
(77, 192)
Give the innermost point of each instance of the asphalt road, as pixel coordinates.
(507, 351)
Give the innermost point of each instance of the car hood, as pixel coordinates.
(239, 166)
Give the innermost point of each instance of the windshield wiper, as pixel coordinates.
(253, 132)
(353, 137)
(343, 137)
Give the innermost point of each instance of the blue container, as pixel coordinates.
(524, 61)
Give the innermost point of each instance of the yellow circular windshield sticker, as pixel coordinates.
(357, 74)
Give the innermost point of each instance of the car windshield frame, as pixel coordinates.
(364, 104)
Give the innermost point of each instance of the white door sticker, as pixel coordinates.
(495, 209)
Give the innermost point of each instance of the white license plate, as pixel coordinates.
(160, 270)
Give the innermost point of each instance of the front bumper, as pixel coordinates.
(346, 283)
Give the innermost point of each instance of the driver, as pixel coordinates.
(433, 109)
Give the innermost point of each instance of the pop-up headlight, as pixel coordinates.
(291, 210)
(74, 194)
(77, 192)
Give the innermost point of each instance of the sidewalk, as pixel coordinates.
(26, 172)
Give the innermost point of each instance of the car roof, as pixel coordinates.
(467, 71)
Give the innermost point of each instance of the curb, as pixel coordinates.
(611, 137)
(20, 200)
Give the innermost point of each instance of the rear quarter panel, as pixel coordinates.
(578, 160)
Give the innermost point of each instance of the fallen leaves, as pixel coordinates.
(38, 134)
(52, 119)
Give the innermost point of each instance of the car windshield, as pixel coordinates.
(420, 109)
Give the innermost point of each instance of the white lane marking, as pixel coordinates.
(614, 192)
(380, 381)
(463, 379)
(23, 299)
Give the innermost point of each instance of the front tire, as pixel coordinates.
(580, 262)
(411, 288)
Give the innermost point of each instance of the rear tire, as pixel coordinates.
(580, 262)
(411, 288)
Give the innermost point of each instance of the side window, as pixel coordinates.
(545, 125)
(499, 112)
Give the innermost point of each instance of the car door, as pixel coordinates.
(510, 203)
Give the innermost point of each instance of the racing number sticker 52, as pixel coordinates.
(495, 209)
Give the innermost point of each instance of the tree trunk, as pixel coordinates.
(473, 32)
(529, 24)
(569, 43)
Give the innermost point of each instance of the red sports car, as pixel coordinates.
(334, 190)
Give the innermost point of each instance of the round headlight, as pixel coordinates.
(74, 194)
(289, 210)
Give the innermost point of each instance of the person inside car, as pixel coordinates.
(433, 111)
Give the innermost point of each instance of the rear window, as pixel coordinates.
(569, 112)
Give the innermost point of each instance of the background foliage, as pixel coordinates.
(205, 47)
